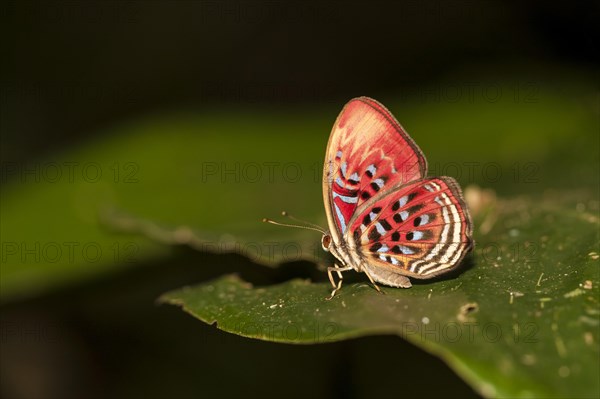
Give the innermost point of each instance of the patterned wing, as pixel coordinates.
(368, 151)
(419, 230)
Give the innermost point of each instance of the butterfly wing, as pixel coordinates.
(421, 229)
(368, 151)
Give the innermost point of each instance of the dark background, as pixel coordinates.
(72, 68)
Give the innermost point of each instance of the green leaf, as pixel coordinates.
(521, 321)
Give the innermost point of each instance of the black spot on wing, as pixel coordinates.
(384, 223)
(366, 220)
(409, 198)
(374, 235)
(375, 247)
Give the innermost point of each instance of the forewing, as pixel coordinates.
(368, 152)
(420, 230)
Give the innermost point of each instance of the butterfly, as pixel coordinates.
(386, 218)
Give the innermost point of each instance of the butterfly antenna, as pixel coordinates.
(284, 213)
(310, 227)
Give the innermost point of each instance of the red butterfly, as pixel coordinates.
(386, 218)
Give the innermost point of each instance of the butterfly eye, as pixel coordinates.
(326, 242)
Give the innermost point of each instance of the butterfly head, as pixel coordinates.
(326, 242)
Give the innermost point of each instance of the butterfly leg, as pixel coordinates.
(373, 281)
(338, 270)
